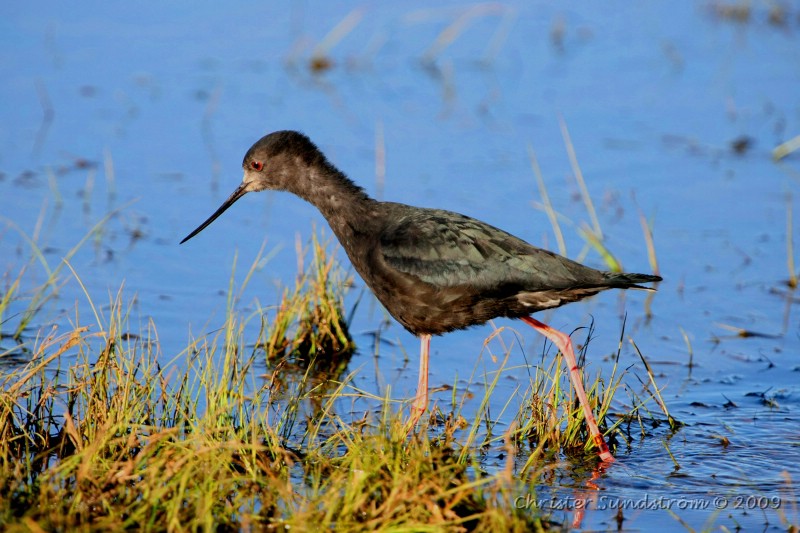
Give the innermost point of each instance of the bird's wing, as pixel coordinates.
(448, 249)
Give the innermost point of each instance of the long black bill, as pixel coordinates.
(238, 193)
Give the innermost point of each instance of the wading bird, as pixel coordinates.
(433, 270)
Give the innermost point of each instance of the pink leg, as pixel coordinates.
(421, 401)
(564, 344)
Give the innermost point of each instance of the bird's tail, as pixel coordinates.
(630, 281)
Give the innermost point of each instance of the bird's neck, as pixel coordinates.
(345, 205)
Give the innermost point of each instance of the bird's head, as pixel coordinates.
(274, 162)
(277, 160)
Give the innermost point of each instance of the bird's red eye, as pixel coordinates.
(257, 165)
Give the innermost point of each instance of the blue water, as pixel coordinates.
(167, 99)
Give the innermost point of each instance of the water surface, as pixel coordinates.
(148, 114)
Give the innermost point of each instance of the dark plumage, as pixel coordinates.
(434, 271)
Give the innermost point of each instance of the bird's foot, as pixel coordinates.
(604, 452)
